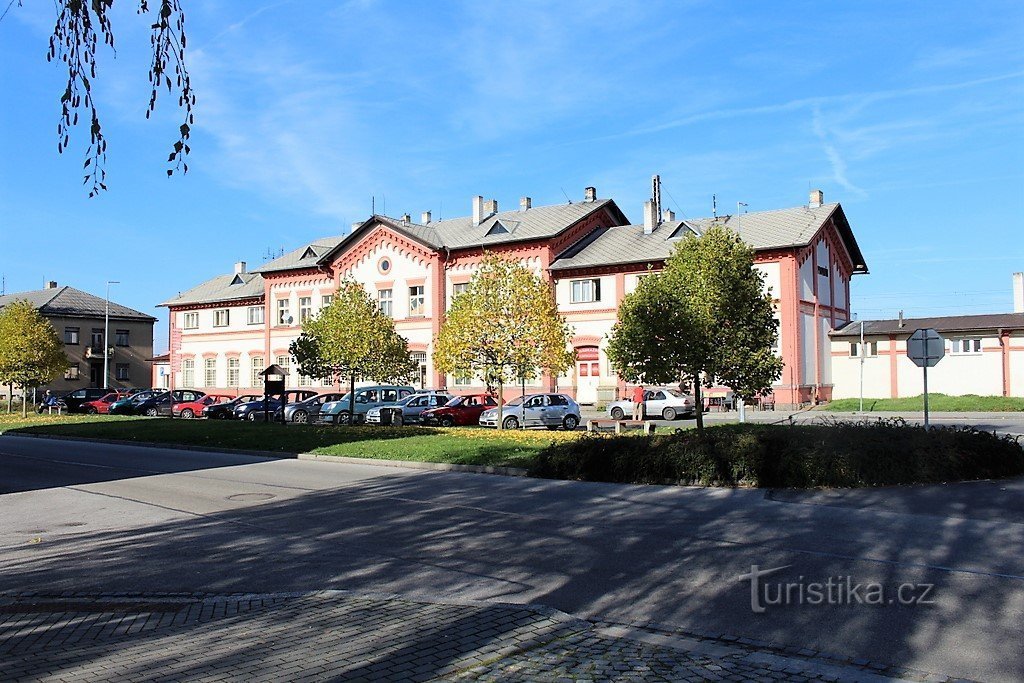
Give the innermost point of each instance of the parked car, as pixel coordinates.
(535, 410)
(309, 409)
(76, 400)
(226, 411)
(190, 409)
(123, 405)
(100, 406)
(659, 402)
(461, 410)
(337, 412)
(409, 408)
(255, 411)
(162, 403)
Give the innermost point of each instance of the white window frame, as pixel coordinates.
(255, 315)
(871, 347)
(210, 366)
(462, 381)
(234, 371)
(305, 308)
(385, 302)
(188, 373)
(586, 291)
(459, 288)
(284, 311)
(221, 317)
(956, 346)
(326, 300)
(257, 366)
(190, 321)
(417, 301)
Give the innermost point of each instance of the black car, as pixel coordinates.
(254, 410)
(161, 404)
(74, 400)
(226, 411)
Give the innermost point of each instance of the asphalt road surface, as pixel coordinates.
(100, 518)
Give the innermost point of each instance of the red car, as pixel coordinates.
(191, 409)
(100, 406)
(461, 410)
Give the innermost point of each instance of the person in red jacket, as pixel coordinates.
(638, 402)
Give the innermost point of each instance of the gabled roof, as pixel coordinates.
(306, 256)
(220, 288)
(762, 230)
(944, 324)
(73, 303)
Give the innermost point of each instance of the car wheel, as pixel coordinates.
(342, 419)
(397, 419)
(617, 414)
(446, 422)
(188, 414)
(570, 423)
(251, 417)
(151, 412)
(669, 413)
(552, 428)
(91, 410)
(300, 416)
(510, 423)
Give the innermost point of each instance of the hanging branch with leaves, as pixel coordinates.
(76, 34)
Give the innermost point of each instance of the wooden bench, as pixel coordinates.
(647, 426)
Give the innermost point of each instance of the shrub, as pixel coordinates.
(839, 454)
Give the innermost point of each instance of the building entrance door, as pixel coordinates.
(95, 375)
(588, 374)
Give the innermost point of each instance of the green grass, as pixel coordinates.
(940, 403)
(424, 444)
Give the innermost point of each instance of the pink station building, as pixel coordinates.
(223, 332)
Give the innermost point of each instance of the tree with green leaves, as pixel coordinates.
(505, 327)
(352, 338)
(706, 318)
(79, 26)
(31, 353)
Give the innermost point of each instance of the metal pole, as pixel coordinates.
(926, 389)
(862, 354)
(106, 334)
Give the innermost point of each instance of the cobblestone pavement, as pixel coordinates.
(335, 635)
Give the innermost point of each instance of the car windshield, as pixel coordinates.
(517, 401)
(673, 392)
(457, 401)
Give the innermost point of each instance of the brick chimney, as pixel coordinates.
(817, 199)
(51, 284)
(668, 215)
(478, 209)
(490, 207)
(525, 203)
(590, 194)
(239, 267)
(425, 218)
(406, 218)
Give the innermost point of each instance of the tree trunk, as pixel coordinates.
(501, 404)
(352, 401)
(698, 405)
(10, 398)
(24, 401)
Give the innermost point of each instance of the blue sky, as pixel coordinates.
(910, 114)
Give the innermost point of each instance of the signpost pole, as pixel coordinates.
(925, 396)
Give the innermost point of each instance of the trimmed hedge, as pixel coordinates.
(841, 454)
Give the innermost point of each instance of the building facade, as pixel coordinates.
(79, 319)
(984, 355)
(224, 331)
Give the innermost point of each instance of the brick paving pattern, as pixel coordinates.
(334, 635)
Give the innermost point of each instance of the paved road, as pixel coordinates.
(99, 518)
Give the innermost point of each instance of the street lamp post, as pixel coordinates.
(740, 406)
(862, 354)
(106, 337)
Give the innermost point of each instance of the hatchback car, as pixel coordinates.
(535, 410)
(309, 409)
(669, 404)
(225, 411)
(76, 400)
(337, 412)
(162, 403)
(191, 409)
(123, 405)
(461, 411)
(408, 409)
(255, 411)
(100, 406)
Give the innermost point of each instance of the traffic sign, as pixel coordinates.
(926, 347)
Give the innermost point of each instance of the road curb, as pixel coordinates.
(343, 459)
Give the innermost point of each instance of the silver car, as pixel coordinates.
(666, 403)
(409, 408)
(535, 410)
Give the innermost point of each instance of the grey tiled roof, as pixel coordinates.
(761, 230)
(220, 288)
(948, 323)
(74, 303)
(312, 252)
